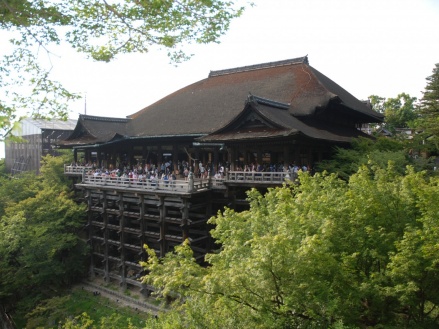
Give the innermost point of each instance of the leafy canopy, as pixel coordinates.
(326, 253)
(429, 109)
(40, 248)
(399, 112)
(101, 29)
(345, 162)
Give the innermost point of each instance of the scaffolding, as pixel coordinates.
(20, 165)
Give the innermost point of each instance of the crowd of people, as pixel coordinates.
(168, 172)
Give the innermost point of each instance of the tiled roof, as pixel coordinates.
(93, 129)
(209, 104)
(299, 60)
(284, 124)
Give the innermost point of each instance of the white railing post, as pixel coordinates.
(191, 182)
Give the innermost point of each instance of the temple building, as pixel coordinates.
(238, 128)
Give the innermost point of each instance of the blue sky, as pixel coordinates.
(381, 47)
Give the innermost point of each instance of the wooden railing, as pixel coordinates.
(258, 177)
(190, 185)
(179, 185)
(76, 170)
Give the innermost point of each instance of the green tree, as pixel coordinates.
(379, 151)
(99, 28)
(399, 112)
(40, 249)
(326, 253)
(429, 110)
(414, 268)
(377, 103)
(84, 321)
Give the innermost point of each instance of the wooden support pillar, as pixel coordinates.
(249, 159)
(297, 156)
(184, 219)
(209, 241)
(215, 161)
(286, 155)
(162, 222)
(233, 158)
(75, 155)
(174, 158)
(196, 161)
(143, 224)
(259, 156)
(90, 233)
(87, 155)
(98, 159)
(159, 157)
(130, 156)
(145, 155)
(122, 250)
(105, 163)
(106, 233)
(143, 239)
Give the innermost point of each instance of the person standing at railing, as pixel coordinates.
(173, 178)
(165, 179)
(153, 179)
(202, 170)
(221, 170)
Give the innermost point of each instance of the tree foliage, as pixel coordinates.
(40, 249)
(429, 109)
(399, 112)
(102, 29)
(326, 253)
(379, 151)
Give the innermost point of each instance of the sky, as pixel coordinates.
(369, 47)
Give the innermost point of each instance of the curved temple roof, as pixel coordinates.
(208, 105)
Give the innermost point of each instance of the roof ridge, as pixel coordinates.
(298, 60)
(97, 118)
(266, 101)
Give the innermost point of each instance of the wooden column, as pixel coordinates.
(145, 155)
(143, 224)
(130, 156)
(233, 157)
(159, 157)
(106, 233)
(122, 250)
(162, 222)
(174, 158)
(215, 161)
(184, 219)
(87, 155)
(197, 161)
(90, 232)
(259, 157)
(98, 158)
(297, 156)
(287, 159)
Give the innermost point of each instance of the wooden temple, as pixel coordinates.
(245, 127)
